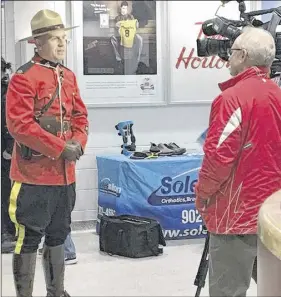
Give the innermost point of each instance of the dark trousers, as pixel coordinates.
(7, 227)
(41, 210)
(232, 264)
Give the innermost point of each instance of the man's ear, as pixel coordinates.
(244, 55)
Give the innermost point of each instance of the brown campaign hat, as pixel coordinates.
(44, 22)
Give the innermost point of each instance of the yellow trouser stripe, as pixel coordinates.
(20, 229)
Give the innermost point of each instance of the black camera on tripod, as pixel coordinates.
(229, 30)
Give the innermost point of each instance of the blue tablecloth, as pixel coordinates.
(162, 189)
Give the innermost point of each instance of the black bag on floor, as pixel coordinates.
(130, 236)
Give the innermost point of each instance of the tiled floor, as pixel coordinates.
(171, 274)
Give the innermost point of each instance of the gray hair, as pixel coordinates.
(260, 46)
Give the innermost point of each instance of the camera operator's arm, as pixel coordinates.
(221, 147)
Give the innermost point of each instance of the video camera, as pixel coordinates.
(230, 30)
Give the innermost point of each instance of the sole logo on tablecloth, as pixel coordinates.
(176, 190)
(186, 233)
(106, 186)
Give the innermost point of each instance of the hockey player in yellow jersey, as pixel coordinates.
(126, 32)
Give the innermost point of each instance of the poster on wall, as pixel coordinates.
(195, 79)
(120, 52)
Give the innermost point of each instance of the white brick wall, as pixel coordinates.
(86, 188)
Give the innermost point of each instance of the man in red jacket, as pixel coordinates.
(242, 162)
(48, 120)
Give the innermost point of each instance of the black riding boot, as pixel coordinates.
(53, 265)
(24, 270)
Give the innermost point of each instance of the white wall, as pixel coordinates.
(3, 33)
(173, 123)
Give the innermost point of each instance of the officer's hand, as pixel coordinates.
(72, 151)
(75, 142)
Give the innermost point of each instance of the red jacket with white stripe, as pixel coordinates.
(242, 163)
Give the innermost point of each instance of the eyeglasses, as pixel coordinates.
(230, 52)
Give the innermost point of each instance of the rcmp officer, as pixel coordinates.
(48, 120)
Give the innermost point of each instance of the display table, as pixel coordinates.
(161, 189)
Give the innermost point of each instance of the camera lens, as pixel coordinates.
(212, 47)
